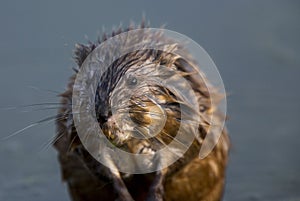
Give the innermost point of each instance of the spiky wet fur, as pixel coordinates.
(189, 178)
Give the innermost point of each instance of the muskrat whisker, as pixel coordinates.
(41, 109)
(191, 121)
(70, 146)
(195, 122)
(20, 131)
(148, 112)
(139, 111)
(145, 137)
(45, 120)
(30, 105)
(42, 104)
(47, 108)
(84, 140)
(58, 135)
(191, 107)
(44, 90)
(173, 138)
(165, 145)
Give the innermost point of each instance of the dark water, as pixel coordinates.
(255, 45)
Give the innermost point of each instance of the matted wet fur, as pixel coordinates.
(190, 178)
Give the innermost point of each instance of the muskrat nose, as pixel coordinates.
(104, 119)
(103, 114)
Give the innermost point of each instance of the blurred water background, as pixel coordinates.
(255, 44)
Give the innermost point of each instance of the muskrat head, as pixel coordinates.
(133, 104)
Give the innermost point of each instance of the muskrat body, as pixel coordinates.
(189, 178)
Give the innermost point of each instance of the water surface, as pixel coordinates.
(255, 45)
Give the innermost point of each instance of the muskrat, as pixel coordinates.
(189, 178)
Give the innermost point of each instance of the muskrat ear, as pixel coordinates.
(81, 52)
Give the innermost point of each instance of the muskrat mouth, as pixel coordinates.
(140, 117)
(113, 133)
(126, 139)
(147, 150)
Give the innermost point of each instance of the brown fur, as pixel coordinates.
(190, 178)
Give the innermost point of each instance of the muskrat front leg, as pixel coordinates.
(120, 188)
(156, 191)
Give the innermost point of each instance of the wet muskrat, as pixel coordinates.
(189, 178)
